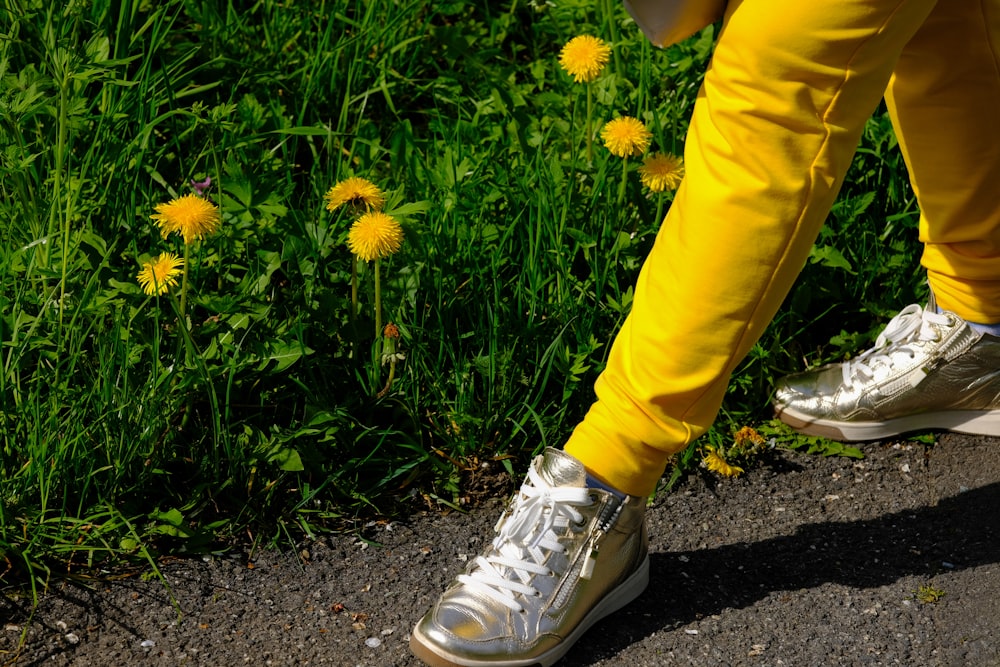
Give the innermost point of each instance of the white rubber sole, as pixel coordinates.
(973, 422)
(629, 590)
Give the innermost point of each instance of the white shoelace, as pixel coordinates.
(894, 345)
(523, 540)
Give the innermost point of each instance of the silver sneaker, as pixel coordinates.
(928, 370)
(564, 556)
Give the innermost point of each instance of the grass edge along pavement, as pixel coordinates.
(806, 560)
(250, 400)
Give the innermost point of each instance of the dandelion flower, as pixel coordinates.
(375, 235)
(661, 171)
(584, 57)
(714, 462)
(157, 276)
(748, 437)
(191, 216)
(356, 191)
(626, 136)
(390, 331)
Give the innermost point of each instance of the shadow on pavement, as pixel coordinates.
(959, 532)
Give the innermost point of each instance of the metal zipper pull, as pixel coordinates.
(595, 547)
(610, 518)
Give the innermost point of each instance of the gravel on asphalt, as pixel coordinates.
(804, 560)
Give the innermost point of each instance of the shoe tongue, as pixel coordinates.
(560, 469)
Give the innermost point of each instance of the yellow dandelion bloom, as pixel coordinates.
(584, 57)
(375, 235)
(157, 276)
(714, 462)
(748, 437)
(661, 171)
(191, 216)
(626, 136)
(359, 192)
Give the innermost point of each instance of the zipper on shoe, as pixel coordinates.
(594, 547)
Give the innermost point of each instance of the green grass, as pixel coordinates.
(125, 430)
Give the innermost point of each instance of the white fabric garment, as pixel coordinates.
(665, 22)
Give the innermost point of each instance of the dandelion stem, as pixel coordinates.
(61, 141)
(388, 382)
(390, 349)
(590, 136)
(378, 299)
(609, 13)
(354, 288)
(621, 185)
(184, 284)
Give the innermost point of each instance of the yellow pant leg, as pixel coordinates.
(777, 121)
(944, 98)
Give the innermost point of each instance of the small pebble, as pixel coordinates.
(373, 642)
(72, 638)
(147, 643)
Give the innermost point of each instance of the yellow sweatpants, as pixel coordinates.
(774, 129)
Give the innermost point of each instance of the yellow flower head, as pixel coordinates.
(661, 171)
(584, 57)
(714, 462)
(160, 274)
(191, 216)
(359, 192)
(626, 136)
(748, 437)
(375, 235)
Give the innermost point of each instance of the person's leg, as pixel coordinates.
(944, 98)
(785, 99)
(780, 114)
(936, 367)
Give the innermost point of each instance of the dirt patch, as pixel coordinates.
(805, 561)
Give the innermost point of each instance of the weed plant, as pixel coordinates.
(130, 424)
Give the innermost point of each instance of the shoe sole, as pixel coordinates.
(972, 422)
(629, 590)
